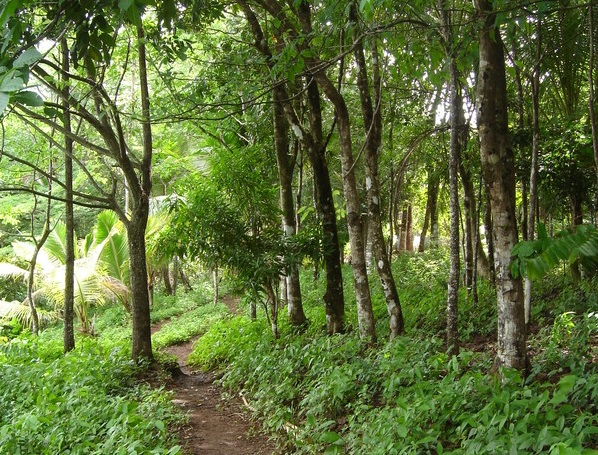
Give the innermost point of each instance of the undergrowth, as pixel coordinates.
(89, 400)
(333, 394)
(84, 402)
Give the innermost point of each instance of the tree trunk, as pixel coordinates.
(533, 176)
(469, 212)
(215, 285)
(285, 176)
(499, 170)
(334, 299)
(365, 314)
(68, 333)
(456, 109)
(409, 229)
(168, 287)
(140, 189)
(489, 234)
(431, 203)
(591, 97)
(372, 121)
(404, 228)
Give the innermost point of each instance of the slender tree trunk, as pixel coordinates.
(140, 302)
(432, 201)
(404, 228)
(499, 170)
(409, 228)
(285, 177)
(372, 120)
(533, 177)
(168, 287)
(488, 228)
(35, 327)
(68, 333)
(215, 285)
(334, 299)
(30, 285)
(456, 107)
(591, 97)
(469, 205)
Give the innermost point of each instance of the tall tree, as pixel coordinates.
(498, 167)
(371, 108)
(69, 217)
(286, 165)
(456, 108)
(93, 45)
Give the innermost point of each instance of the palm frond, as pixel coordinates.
(11, 270)
(534, 259)
(22, 313)
(55, 245)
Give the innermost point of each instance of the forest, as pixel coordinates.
(368, 224)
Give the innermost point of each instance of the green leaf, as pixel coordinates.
(9, 10)
(4, 99)
(331, 438)
(11, 84)
(29, 99)
(27, 58)
(124, 5)
(515, 268)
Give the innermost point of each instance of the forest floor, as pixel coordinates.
(215, 425)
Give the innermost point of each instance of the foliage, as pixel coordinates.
(189, 324)
(536, 258)
(323, 394)
(83, 402)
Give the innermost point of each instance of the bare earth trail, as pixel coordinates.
(215, 426)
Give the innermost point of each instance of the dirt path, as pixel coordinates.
(215, 426)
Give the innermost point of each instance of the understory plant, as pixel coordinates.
(84, 402)
(335, 394)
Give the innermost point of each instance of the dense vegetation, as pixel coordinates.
(316, 393)
(403, 195)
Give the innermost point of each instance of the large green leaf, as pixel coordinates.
(535, 259)
(111, 246)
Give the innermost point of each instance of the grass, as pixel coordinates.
(317, 393)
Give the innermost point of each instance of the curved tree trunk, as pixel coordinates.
(533, 176)
(498, 166)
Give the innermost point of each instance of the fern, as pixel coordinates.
(535, 258)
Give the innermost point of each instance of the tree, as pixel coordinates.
(92, 46)
(69, 260)
(372, 123)
(498, 168)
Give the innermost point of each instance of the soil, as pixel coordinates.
(216, 426)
